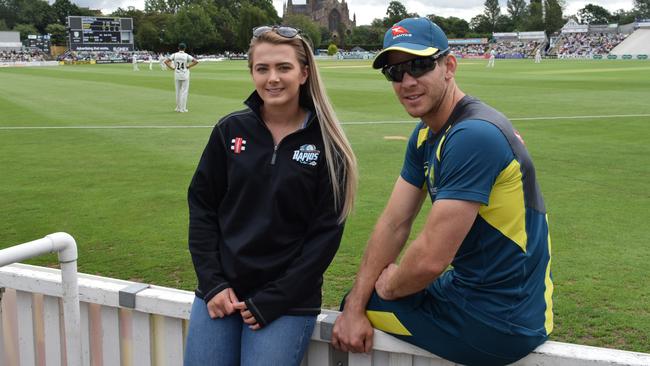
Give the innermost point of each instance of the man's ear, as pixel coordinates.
(452, 64)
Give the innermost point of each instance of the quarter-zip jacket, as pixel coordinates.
(262, 217)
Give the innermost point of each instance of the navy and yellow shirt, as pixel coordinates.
(501, 272)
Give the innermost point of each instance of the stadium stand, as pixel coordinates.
(638, 43)
(23, 55)
(10, 41)
(582, 45)
(519, 44)
(585, 41)
(468, 50)
(469, 47)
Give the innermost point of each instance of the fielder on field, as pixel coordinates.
(181, 63)
(493, 54)
(538, 55)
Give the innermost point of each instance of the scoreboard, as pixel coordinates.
(100, 33)
(40, 41)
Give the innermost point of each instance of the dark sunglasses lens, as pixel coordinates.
(392, 74)
(415, 68)
(421, 66)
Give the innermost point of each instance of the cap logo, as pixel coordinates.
(399, 31)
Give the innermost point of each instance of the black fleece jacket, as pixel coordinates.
(262, 217)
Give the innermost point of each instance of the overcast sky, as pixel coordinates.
(367, 10)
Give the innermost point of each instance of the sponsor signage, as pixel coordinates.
(468, 41)
(111, 61)
(642, 57)
(627, 57)
(598, 57)
(612, 57)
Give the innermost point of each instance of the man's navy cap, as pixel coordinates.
(417, 36)
(182, 46)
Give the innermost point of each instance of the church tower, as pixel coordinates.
(330, 14)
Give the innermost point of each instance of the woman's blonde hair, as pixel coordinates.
(341, 162)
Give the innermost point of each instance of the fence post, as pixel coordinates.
(66, 247)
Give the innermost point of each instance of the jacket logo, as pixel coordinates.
(307, 154)
(238, 145)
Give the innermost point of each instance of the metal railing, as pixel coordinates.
(132, 324)
(66, 247)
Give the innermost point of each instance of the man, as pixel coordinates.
(181, 63)
(487, 221)
(538, 55)
(161, 60)
(134, 60)
(493, 54)
(150, 62)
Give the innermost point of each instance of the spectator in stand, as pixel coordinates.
(584, 45)
(23, 55)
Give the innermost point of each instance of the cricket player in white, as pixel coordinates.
(181, 63)
(491, 59)
(134, 60)
(538, 55)
(161, 60)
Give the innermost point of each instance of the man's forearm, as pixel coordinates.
(432, 251)
(384, 246)
(413, 273)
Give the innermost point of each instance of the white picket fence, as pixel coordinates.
(126, 323)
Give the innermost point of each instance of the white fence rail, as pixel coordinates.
(125, 323)
(65, 246)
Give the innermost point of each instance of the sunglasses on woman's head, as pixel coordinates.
(415, 67)
(286, 32)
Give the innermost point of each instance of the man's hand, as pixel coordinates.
(352, 332)
(248, 317)
(222, 304)
(382, 286)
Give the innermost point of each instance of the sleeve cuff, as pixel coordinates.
(210, 294)
(256, 312)
(463, 196)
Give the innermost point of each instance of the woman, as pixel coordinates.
(267, 205)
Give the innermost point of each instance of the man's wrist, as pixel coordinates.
(354, 305)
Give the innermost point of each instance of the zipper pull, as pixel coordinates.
(275, 153)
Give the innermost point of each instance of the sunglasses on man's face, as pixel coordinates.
(286, 32)
(415, 67)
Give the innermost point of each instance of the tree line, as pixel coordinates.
(209, 26)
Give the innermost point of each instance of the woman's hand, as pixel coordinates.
(222, 304)
(247, 316)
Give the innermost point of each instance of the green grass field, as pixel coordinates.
(98, 151)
